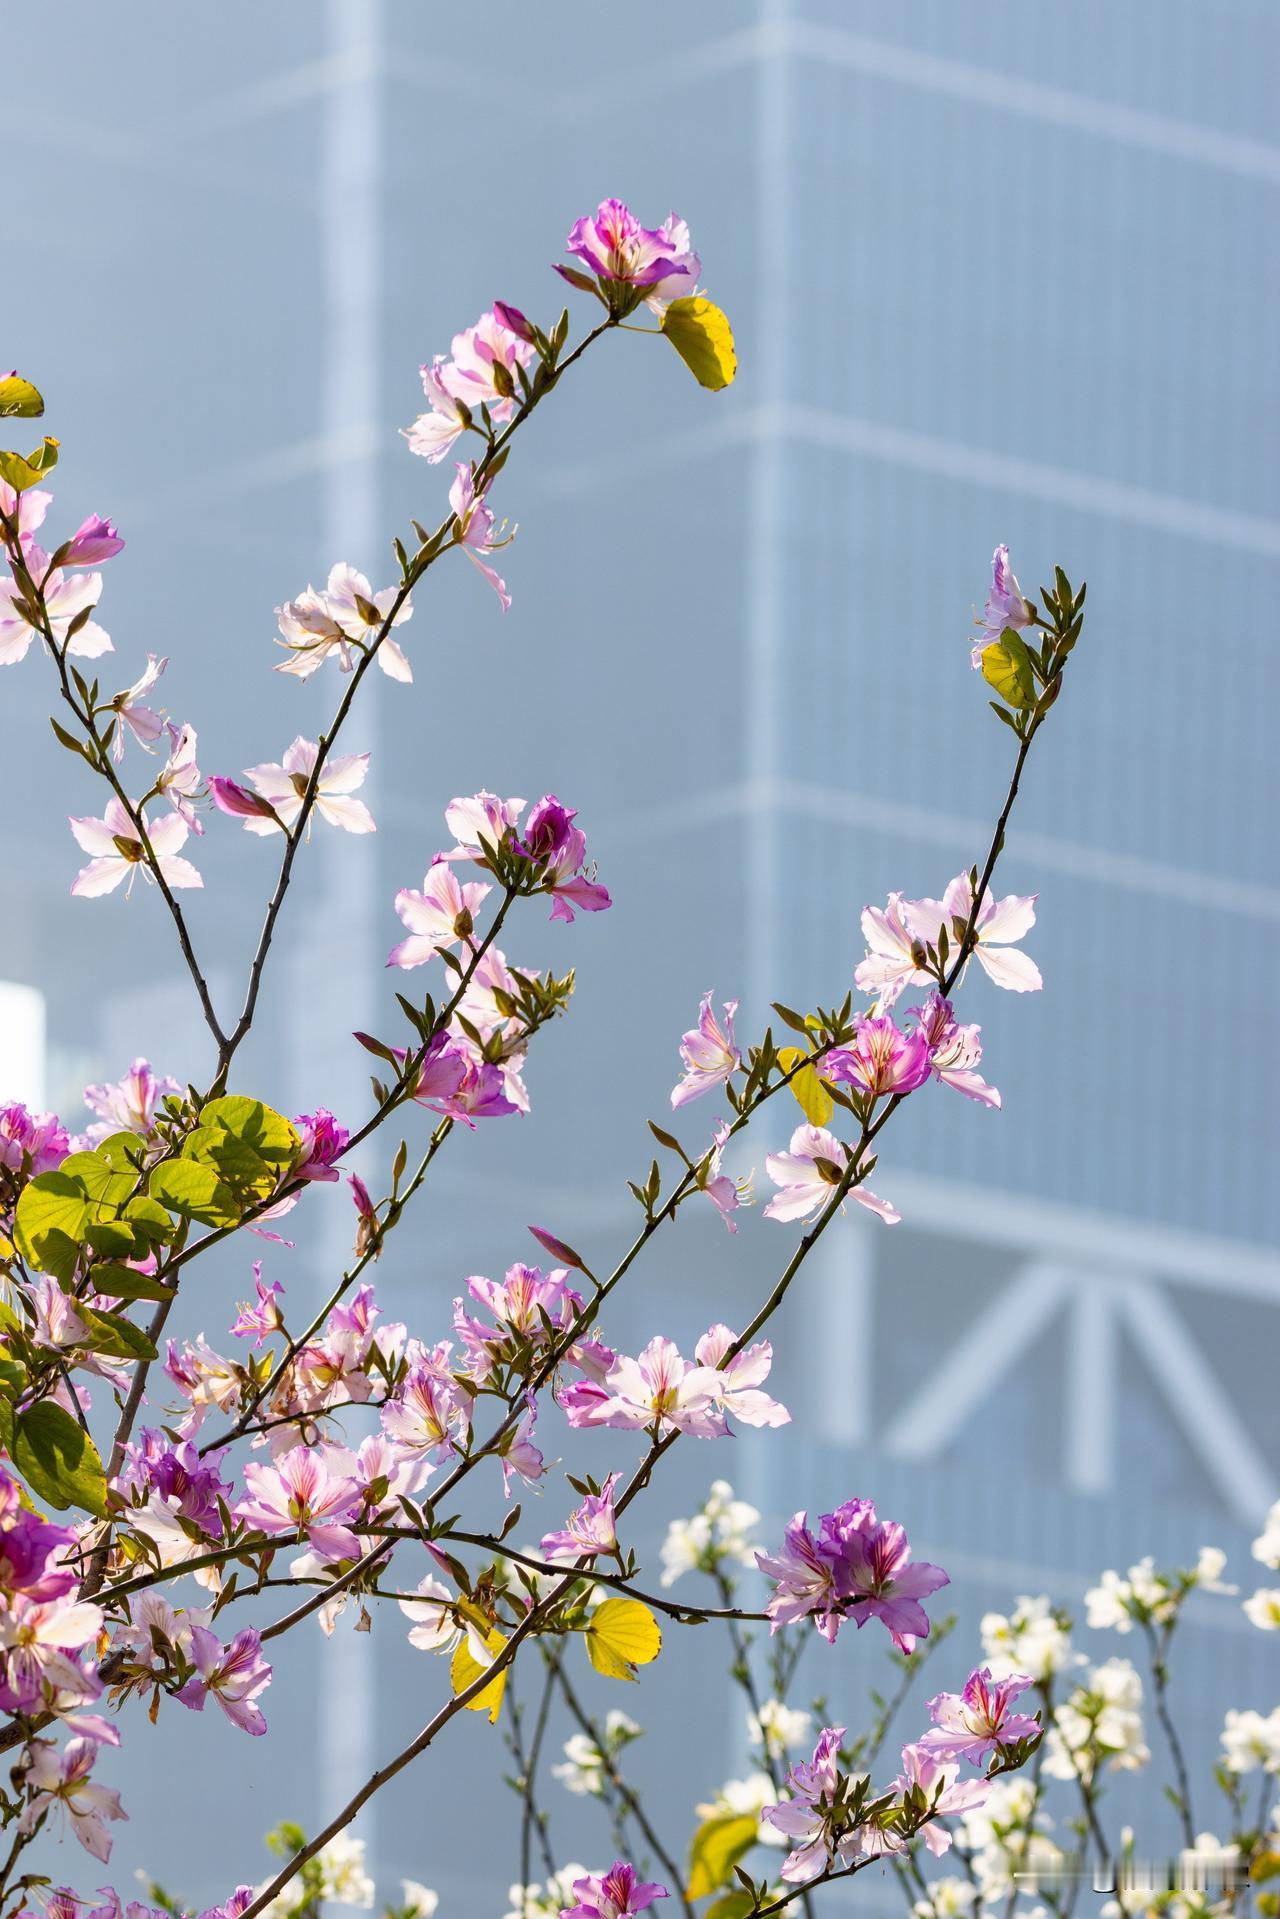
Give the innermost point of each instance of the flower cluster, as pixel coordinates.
(854, 1566)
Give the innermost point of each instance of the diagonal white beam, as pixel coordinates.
(1197, 1400)
(957, 1389)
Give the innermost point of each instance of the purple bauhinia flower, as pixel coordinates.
(591, 1528)
(1005, 605)
(977, 1721)
(234, 1675)
(954, 1050)
(881, 1059)
(615, 1894)
(309, 1491)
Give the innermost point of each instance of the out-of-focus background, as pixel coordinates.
(997, 272)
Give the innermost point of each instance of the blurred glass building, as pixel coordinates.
(997, 273)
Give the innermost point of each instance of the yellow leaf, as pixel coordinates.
(1006, 665)
(22, 471)
(466, 1669)
(717, 1846)
(703, 338)
(811, 1096)
(623, 1634)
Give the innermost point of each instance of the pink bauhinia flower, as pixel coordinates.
(434, 1616)
(954, 1050)
(434, 432)
(591, 1528)
(24, 511)
(60, 1782)
(856, 1566)
(1005, 605)
(93, 541)
(66, 597)
(615, 1894)
(880, 1060)
(979, 1720)
(874, 1576)
(322, 1142)
(658, 1389)
(258, 1320)
(709, 1053)
(430, 1414)
(924, 1770)
(474, 529)
(128, 1105)
(234, 1675)
(999, 924)
(143, 722)
(37, 1640)
(482, 371)
(725, 1193)
(482, 816)
(309, 1491)
(808, 1173)
(524, 1303)
(317, 624)
(441, 915)
(895, 934)
(739, 1379)
(284, 785)
(31, 1143)
(516, 1449)
(811, 1813)
(119, 855)
(619, 252)
(559, 848)
(178, 780)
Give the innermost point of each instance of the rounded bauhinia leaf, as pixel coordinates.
(24, 470)
(621, 1635)
(1006, 665)
(249, 1144)
(58, 1459)
(808, 1091)
(466, 1669)
(19, 399)
(50, 1221)
(716, 1848)
(194, 1191)
(703, 338)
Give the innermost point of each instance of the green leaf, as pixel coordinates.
(717, 1846)
(13, 1378)
(49, 1223)
(149, 1220)
(19, 399)
(194, 1191)
(621, 1635)
(250, 1145)
(702, 336)
(731, 1905)
(23, 472)
(122, 1282)
(1006, 665)
(112, 1333)
(58, 1459)
(111, 1238)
